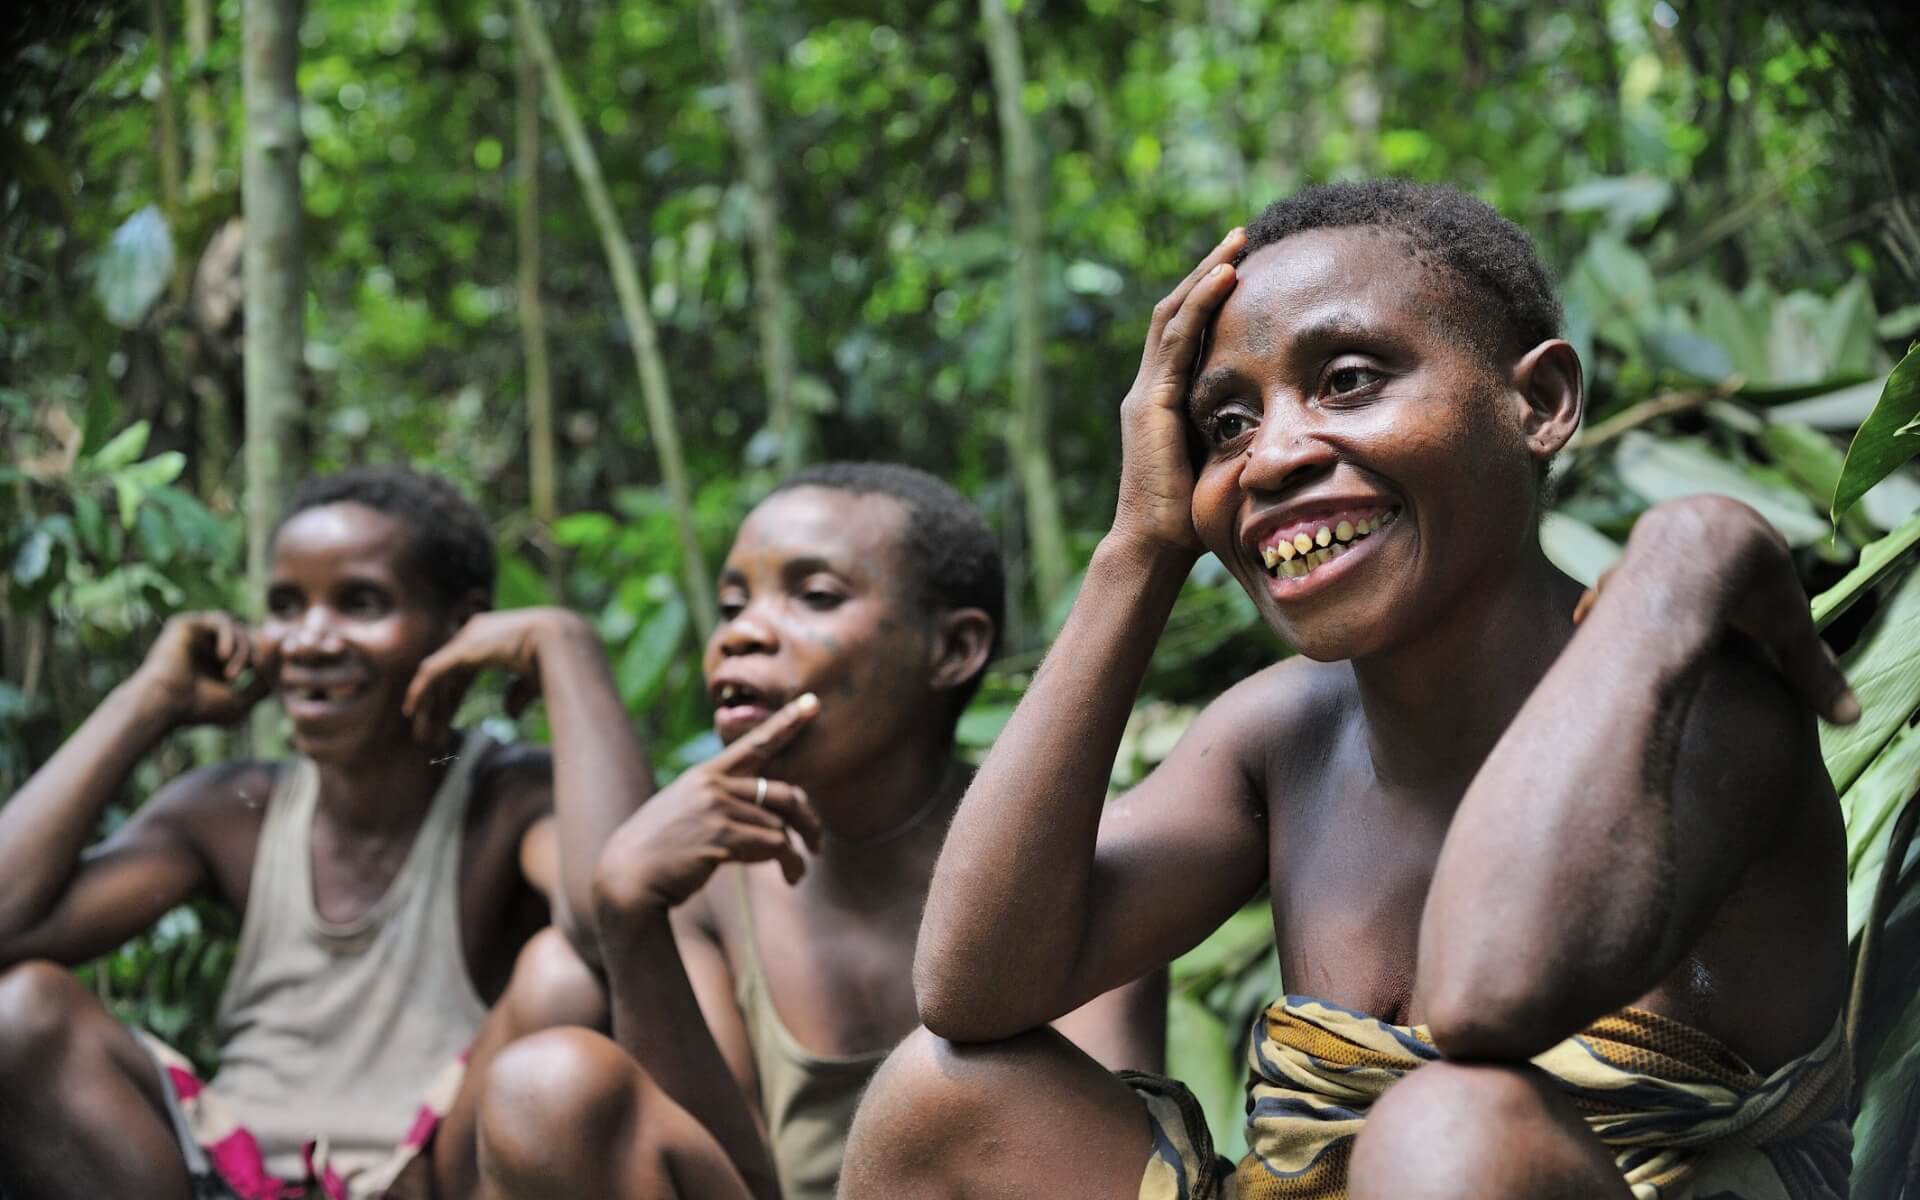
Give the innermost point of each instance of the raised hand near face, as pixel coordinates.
(724, 810)
(1156, 475)
(511, 640)
(1713, 558)
(197, 663)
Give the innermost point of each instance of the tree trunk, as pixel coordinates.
(169, 150)
(1027, 436)
(273, 278)
(775, 305)
(533, 318)
(654, 390)
(202, 143)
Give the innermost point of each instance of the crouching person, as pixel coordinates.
(1559, 899)
(759, 913)
(395, 879)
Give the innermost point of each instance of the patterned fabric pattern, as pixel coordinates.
(1685, 1118)
(225, 1160)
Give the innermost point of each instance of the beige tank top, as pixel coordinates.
(332, 1033)
(808, 1100)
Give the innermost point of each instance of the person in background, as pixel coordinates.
(759, 913)
(411, 898)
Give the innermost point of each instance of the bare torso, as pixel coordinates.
(1351, 857)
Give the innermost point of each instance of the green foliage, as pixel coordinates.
(1720, 230)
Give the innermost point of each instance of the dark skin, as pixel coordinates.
(1649, 784)
(369, 665)
(838, 688)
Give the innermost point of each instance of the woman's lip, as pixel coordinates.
(732, 720)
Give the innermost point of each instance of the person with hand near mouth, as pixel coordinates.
(410, 898)
(759, 913)
(1558, 888)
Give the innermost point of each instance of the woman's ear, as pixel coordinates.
(1548, 378)
(963, 640)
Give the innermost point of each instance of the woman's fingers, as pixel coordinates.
(749, 842)
(1180, 342)
(751, 752)
(1171, 303)
(784, 802)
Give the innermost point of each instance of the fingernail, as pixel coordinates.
(1846, 709)
(807, 703)
(1218, 271)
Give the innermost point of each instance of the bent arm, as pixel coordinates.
(52, 903)
(1124, 1029)
(600, 769)
(1044, 896)
(1615, 816)
(659, 1019)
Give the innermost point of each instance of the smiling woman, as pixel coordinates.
(391, 878)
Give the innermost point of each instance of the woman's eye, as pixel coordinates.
(1342, 380)
(1223, 427)
(729, 609)
(815, 598)
(282, 604)
(363, 601)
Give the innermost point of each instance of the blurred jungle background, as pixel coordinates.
(615, 265)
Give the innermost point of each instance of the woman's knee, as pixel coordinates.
(934, 1104)
(1479, 1130)
(548, 1095)
(39, 1003)
(552, 985)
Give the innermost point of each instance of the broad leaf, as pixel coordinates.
(1871, 806)
(1885, 674)
(123, 449)
(134, 269)
(650, 653)
(1884, 441)
(1662, 469)
(1876, 559)
(1577, 547)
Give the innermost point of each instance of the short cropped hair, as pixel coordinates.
(1508, 303)
(451, 548)
(950, 552)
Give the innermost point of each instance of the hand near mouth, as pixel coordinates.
(197, 663)
(1156, 474)
(724, 810)
(511, 640)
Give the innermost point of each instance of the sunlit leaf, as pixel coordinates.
(1662, 469)
(1876, 560)
(1577, 547)
(133, 271)
(1884, 441)
(124, 448)
(1871, 806)
(1885, 674)
(30, 562)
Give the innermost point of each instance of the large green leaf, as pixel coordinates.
(1876, 560)
(1577, 547)
(134, 269)
(1885, 673)
(1888, 437)
(1662, 469)
(1883, 1133)
(1871, 806)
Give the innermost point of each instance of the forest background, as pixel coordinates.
(616, 265)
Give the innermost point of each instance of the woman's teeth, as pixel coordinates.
(1306, 550)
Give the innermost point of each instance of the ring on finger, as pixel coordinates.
(760, 792)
